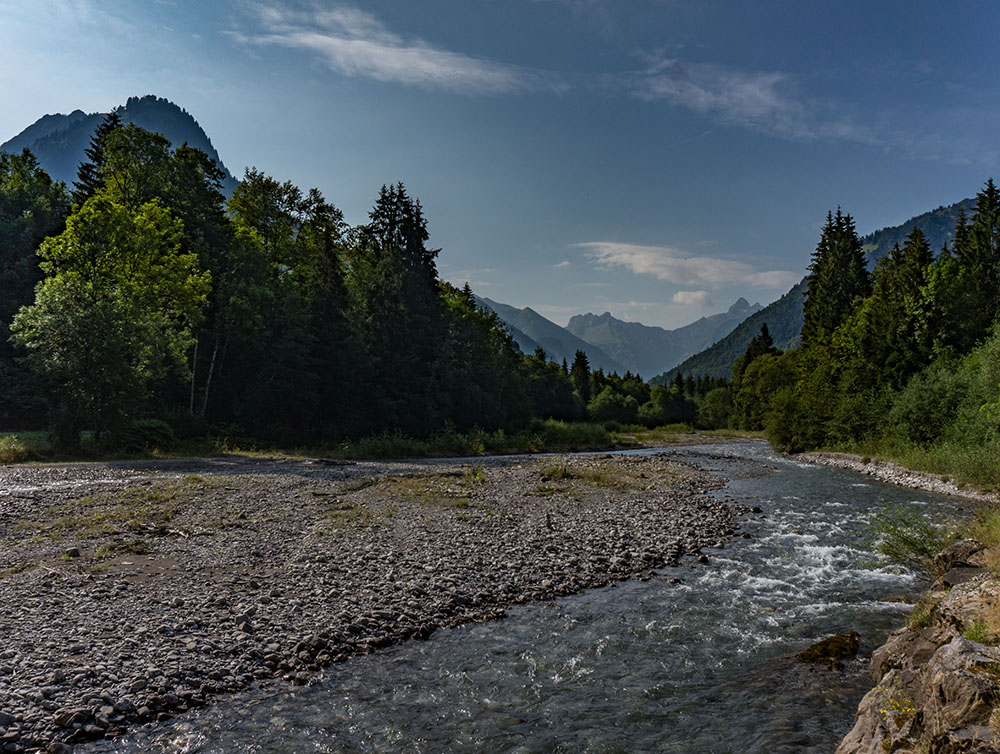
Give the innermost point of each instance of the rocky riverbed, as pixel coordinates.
(131, 592)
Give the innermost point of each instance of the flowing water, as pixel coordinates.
(702, 666)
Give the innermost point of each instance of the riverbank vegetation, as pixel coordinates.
(144, 310)
(902, 362)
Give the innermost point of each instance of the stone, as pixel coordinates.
(961, 574)
(832, 650)
(957, 554)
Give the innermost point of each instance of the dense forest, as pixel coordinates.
(142, 300)
(902, 361)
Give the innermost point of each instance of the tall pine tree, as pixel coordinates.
(88, 175)
(837, 278)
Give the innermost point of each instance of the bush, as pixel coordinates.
(927, 405)
(611, 405)
(907, 538)
(716, 409)
(141, 435)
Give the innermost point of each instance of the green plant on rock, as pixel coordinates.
(907, 538)
(977, 631)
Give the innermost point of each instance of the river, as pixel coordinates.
(645, 666)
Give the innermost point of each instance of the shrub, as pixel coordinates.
(927, 405)
(143, 434)
(907, 538)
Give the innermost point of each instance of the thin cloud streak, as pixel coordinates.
(675, 266)
(758, 100)
(355, 43)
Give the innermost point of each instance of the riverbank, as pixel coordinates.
(131, 592)
(893, 473)
(937, 679)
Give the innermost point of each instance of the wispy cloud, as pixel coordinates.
(675, 266)
(701, 299)
(355, 43)
(765, 101)
(562, 265)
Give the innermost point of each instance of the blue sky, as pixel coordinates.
(653, 158)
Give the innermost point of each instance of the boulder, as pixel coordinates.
(832, 650)
(957, 555)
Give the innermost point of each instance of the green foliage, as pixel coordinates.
(905, 537)
(32, 206)
(143, 435)
(580, 374)
(837, 278)
(925, 407)
(613, 406)
(716, 409)
(115, 310)
(88, 178)
(977, 630)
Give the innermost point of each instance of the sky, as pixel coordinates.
(656, 159)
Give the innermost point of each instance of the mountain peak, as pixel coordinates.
(741, 304)
(58, 141)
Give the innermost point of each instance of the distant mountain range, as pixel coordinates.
(531, 330)
(59, 141)
(647, 350)
(612, 344)
(784, 316)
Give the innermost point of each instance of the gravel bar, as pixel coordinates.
(131, 592)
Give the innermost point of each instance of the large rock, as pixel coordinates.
(832, 651)
(946, 707)
(958, 555)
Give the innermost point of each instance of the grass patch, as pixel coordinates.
(977, 630)
(446, 489)
(148, 509)
(19, 567)
(920, 617)
(138, 546)
(21, 447)
(570, 476)
(985, 527)
(350, 516)
(548, 436)
(976, 464)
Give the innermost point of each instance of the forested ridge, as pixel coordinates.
(141, 303)
(902, 361)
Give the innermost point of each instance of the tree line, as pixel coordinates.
(904, 358)
(143, 293)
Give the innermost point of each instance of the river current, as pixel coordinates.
(702, 667)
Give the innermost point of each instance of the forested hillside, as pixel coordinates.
(902, 360)
(145, 304)
(784, 316)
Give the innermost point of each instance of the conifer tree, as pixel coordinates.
(580, 374)
(977, 247)
(837, 278)
(88, 175)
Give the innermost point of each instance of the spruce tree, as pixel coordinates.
(837, 278)
(977, 246)
(88, 175)
(580, 374)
